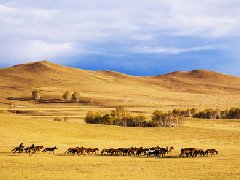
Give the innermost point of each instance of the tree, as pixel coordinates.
(166, 119)
(36, 95)
(94, 117)
(75, 97)
(67, 96)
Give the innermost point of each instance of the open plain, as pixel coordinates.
(33, 122)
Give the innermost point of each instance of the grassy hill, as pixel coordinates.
(197, 88)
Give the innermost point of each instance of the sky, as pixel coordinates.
(137, 37)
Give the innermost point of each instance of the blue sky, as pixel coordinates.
(138, 37)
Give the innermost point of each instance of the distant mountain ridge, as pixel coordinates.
(54, 79)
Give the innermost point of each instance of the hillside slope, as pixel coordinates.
(194, 88)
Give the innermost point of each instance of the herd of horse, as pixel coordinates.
(132, 151)
(32, 149)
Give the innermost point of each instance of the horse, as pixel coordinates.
(92, 150)
(38, 148)
(164, 151)
(18, 149)
(198, 152)
(106, 151)
(150, 152)
(132, 150)
(211, 151)
(187, 152)
(31, 150)
(52, 149)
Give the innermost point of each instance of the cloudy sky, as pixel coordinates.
(138, 37)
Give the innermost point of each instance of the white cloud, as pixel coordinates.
(170, 50)
(39, 49)
(57, 28)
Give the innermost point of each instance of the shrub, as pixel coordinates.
(57, 119)
(170, 119)
(75, 97)
(36, 95)
(121, 117)
(234, 113)
(67, 96)
(93, 117)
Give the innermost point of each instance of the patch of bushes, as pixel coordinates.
(170, 119)
(57, 119)
(121, 117)
(75, 97)
(233, 113)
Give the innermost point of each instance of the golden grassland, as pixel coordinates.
(220, 134)
(105, 90)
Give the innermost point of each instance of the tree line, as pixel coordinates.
(233, 113)
(121, 117)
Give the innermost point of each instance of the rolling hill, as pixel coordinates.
(200, 88)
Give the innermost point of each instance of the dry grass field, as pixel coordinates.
(104, 90)
(220, 134)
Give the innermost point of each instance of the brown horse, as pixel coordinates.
(92, 150)
(211, 151)
(18, 149)
(164, 151)
(52, 149)
(132, 150)
(189, 152)
(198, 152)
(38, 148)
(71, 151)
(139, 151)
(31, 150)
(107, 151)
(68, 151)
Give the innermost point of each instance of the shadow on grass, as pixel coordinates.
(99, 155)
(19, 98)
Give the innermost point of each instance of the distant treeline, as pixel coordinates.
(233, 113)
(121, 117)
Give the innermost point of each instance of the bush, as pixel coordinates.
(67, 96)
(36, 95)
(57, 119)
(76, 97)
(170, 119)
(121, 117)
(93, 117)
(233, 113)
